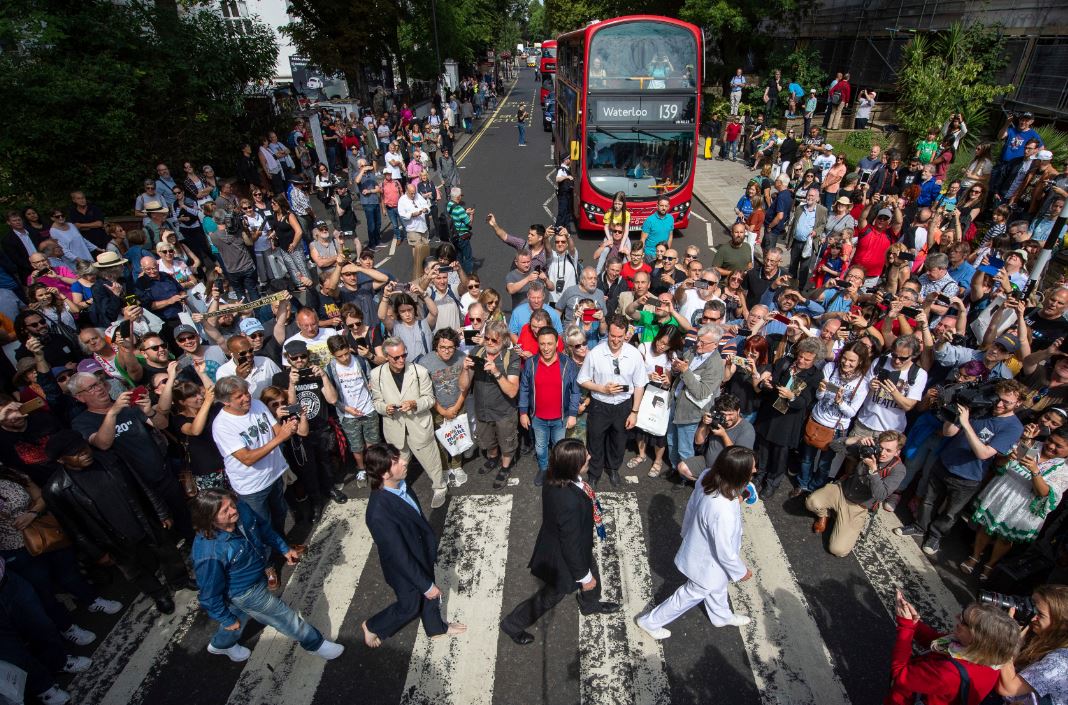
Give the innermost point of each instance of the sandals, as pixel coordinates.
(985, 575)
(654, 471)
(501, 478)
(968, 567)
(635, 462)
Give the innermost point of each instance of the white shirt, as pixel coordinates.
(561, 267)
(598, 368)
(24, 238)
(833, 415)
(880, 412)
(72, 242)
(320, 355)
(407, 208)
(397, 171)
(252, 430)
(263, 369)
(352, 388)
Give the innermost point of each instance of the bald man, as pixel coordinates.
(161, 294)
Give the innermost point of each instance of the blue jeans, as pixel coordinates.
(464, 255)
(522, 133)
(245, 284)
(680, 442)
(805, 479)
(373, 215)
(546, 435)
(269, 504)
(258, 603)
(23, 623)
(394, 218)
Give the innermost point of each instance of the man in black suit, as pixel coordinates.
(563, 553)
(407, 549)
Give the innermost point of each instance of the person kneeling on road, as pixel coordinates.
(874, 478)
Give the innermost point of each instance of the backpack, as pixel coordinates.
(836, 98)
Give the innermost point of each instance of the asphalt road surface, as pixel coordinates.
(822, 626)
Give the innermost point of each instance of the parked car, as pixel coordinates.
(548, 113)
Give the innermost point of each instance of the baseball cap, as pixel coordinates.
(1044, 155)
(1027, 116)
(89, 365)
(185, 329)
(250, 325)
(296, 347)
(1022, 254)
(885, 212)
(1008, 341)
(829, 147)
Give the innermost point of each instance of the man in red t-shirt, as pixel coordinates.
(549, 397)
(874, 239)
(632, 266)
(730, 139)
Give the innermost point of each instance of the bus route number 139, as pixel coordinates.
(667, 111)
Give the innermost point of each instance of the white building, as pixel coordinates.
(275, 14)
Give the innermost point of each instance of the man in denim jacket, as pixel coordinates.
(548, 404)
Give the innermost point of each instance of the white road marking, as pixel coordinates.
(791, 664)
(130, 658)
(697, 215)
(321, 589)
(618, 663)
(392, 244)
(708, 233)
(513, 481)
(473, 554)
(890, 561)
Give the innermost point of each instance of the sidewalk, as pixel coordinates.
(719, 185)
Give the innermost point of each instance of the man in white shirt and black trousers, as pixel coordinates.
(615, 376)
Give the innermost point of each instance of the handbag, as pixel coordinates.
(653, 411)
(817, 435)
(185, 475)
(454, 435)
(44, 534)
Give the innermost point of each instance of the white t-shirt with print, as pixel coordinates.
(880, 412)
(320, 354)
(252, 430)
(353, 387)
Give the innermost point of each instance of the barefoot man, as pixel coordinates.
(407, 548)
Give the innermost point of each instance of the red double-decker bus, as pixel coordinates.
(627, 111)
(547, 68)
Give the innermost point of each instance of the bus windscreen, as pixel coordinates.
(640, 163)
(638, 56)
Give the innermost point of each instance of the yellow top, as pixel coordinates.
(609, 218)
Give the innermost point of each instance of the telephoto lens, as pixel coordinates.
(1025, 606)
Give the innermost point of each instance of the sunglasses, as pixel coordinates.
(671, 258)
(187, 339)
(901, 358)
(476, 319)
(154, 347)
(615, 365)
(398, 357)
(299, 356)
(258, 334)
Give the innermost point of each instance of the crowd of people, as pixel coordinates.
(873, 336)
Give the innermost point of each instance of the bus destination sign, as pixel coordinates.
(644, 110)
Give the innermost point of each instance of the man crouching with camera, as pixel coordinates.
(721, 427)
(851, 498)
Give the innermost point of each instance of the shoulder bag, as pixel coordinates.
(44, 534)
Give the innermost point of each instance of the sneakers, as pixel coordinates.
(932, 545)
(656, 633)
(490, 465)
(338, 496)
(235, 653)
(439, 498)
(909, 530)
(105, 606)
(361, 479)
(459, 477)
(892, 501)
(736, 620)
(80, 637)
(329, 650)
(539, 478)
(77, 664)
(54, 696)
(501, 478)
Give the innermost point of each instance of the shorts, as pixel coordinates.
(417, 238)
(502, 433)
(361, 431)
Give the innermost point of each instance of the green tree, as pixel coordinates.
(98, 91)
(939, 76)
(536, 27)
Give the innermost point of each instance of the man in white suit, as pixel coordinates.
(711, 543)
(403, 395)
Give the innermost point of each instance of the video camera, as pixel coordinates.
(980, 397)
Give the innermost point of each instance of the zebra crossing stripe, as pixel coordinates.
(321, 589)
(790, 661)
(130, 658)
(890, 561)
(472, 557)
(619, 664)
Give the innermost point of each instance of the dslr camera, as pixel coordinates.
(859, 450)
(1025, 606)
(717, 418)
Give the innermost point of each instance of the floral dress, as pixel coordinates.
(1008, 507)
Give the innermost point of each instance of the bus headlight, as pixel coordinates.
(592, 210)
(681, 208)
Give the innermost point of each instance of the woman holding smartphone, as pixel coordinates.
(658, 354)
(1014, 506)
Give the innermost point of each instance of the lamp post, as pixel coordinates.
(437, 49)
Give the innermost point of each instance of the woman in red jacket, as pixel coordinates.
(985, 638)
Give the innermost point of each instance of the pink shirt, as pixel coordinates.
(54, 280)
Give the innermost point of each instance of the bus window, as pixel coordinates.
(642, 56)
(642, 164)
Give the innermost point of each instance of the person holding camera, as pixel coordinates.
(1037, 672)
(958, 668)
(720, 428)
(1013, 507)
(964, 460)
(995, 358)
(230, 557)
(852, 499)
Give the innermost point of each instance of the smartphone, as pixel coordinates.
(739, 361)
(31, 405)
(781, 318)
(910, 311)
(832, 388)
(700, 284)
(855, 310)
(447, 268)
(363, 342)
(1034, 451)
(907, 256)
(331, 310)
(293, 409)
(589, 315)
(406, 286)
(132, 300)
(626, 388)
(942, 299)
(137, 394)
(952, 311)
(744, 332)
(469, 337)
(660, 370)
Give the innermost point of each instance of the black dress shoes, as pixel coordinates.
(521, 637)
(339, 496)
(613, 477)
(164, 604)
(599, 607)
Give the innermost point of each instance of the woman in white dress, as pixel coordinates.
(711, 544)
(1013, 507)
